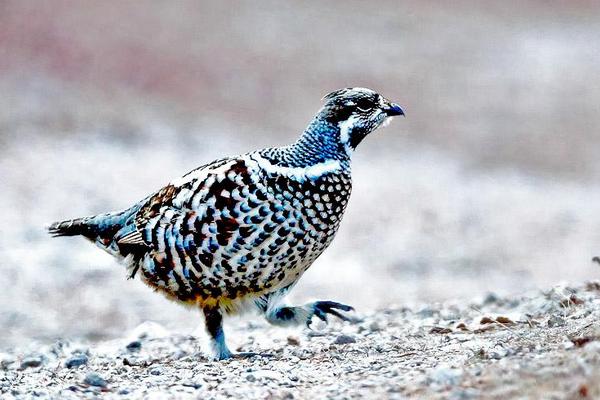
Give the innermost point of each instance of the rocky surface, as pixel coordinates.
(545, 345)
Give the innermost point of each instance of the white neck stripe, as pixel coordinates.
(345, 128)
(299, 174)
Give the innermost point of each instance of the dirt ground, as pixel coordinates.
(543, 345)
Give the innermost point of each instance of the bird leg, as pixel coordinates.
(213, 320)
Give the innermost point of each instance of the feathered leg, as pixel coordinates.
(214, 326)
(213, 318)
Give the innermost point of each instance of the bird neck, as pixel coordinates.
(320, 142)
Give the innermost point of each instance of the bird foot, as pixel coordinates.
(240, 355)
(322, 308)
(249, 354)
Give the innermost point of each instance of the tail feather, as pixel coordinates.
(102, 225)
(105, 230)
(71, 227)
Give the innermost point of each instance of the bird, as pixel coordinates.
(239, 232)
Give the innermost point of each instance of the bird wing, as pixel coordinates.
(203, 192)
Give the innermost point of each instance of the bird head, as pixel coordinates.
(357, 112)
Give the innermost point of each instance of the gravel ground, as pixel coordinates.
(542, 345)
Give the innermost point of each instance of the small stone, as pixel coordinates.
(76, 360)
(504, 320)
(582, 340)
(32, 361)
(157, 371)
(462, 326)
(440, 330)
(555, 321)
(490, 298)
(344, 339)
(250, 378)
(134, 362)
(193, 385)
(136, 345)
(93, 379)
(292, 341)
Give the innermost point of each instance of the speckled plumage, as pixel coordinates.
(242, 230)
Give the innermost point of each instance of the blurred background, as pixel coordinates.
(489, 184)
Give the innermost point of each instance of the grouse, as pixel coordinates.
(239, 232)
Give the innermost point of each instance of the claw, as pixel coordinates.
(322, 308)
(321, 314)
(340, 316)
(334, 304)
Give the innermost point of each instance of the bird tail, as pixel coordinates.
(94, 227)
(72, 227)
(101, 229)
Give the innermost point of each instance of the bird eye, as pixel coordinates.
(364, 105)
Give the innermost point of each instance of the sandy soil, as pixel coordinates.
(543, 345)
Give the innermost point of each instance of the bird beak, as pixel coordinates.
(393, 109)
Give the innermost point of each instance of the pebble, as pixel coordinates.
(93, 379)
(157, 370)
(76, 360)
(491, 298)
(136, 345)
(293, 341)
(344, 339)
(555, 321)
(192, 384)
(32, 361)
